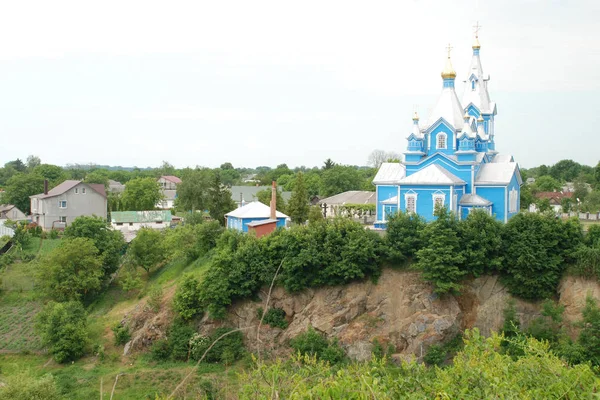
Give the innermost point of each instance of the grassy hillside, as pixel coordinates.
(139, 377)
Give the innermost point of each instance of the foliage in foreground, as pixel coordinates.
(479, 371)
(25, 387)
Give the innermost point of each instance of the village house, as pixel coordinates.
(10, 211)
(57, 208)
(555, 199)
(168, 186)
(135, 220)
(257, 217)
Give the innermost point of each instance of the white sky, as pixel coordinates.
(261, 83)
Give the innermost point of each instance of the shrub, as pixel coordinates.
(155, 298)
(121, 333)
(63, 327)
(435, 355)
(535, 246)
(587, 262)
(227, 350)
(274, 317)
(481, 238)
(589, 337)
(442, 258)
(25, 387)
(329, 253)
(186, 302)
(179, 336)
(53, 234)
(160, 350)
(312, 343)
(405, 236)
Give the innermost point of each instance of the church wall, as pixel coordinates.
(384, 192)
(497, 195)
(424, 198)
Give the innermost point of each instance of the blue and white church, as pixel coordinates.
(451, 159)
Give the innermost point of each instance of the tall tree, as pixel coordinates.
(192, 192)
(328, 164)
(33, 161)
(376, 158)
(264, 196)
(20, 187)
(338, 179)
(53, 173)
(141, 194)
(298, 207)
(219, 199)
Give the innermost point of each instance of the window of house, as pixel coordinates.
(119, 224)
(131, 224)
(411, 203)
(62, 204)
(512, 202)
(441, 141)
(76, 190)
(438, 201)
(62, 219)
(83, 190)
(159, 222)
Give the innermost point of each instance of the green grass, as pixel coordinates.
(17, 321)
(141, 379)
(19, 277)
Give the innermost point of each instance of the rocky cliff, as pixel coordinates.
(400, 309)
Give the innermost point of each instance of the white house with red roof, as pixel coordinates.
(57, 208)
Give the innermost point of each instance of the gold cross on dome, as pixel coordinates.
(449, 48)
(477, 27)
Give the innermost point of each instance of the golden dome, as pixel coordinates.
(448, 72)
(467, 116)
(480, 119)
(476, 45)
(416, 117)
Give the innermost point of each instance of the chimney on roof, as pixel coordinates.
(45, 186)
(274, 201)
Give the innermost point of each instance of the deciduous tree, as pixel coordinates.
(141, 194)
(71, 271)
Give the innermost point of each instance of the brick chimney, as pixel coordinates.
(45, 186)
(274, 201)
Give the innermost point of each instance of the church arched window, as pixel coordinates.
(441, 141)
(473, 84)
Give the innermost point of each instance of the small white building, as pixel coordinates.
(126, 221)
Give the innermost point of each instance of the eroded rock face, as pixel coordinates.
(400, 310)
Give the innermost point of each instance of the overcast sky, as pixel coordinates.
(134, 83)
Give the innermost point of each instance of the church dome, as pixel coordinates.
(448, 72)
(476, 45)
